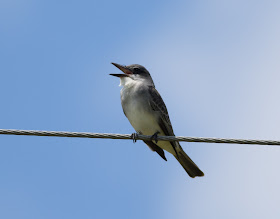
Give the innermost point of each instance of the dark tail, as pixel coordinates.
(188, 164)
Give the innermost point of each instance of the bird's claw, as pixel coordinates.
(155, 137)
(134, 137)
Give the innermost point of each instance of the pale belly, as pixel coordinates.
(144, 121)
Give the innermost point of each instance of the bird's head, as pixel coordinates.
(134, 72)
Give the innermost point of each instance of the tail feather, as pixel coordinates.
(186, 162)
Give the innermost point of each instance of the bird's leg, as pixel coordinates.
(155, 136)
(134, 137)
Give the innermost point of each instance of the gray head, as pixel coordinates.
(135, 72)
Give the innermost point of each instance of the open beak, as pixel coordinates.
(124, 69)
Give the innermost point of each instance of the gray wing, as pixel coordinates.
(157, 104)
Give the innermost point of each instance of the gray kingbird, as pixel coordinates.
(147, 113)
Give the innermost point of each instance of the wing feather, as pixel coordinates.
(158, 104)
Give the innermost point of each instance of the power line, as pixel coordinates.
(137, 137)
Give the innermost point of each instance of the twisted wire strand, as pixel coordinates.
(136, 137)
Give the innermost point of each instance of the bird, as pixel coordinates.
(146, 111)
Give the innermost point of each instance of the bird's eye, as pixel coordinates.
(136, 70)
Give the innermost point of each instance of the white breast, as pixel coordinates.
(140, 115)
(136, 107)
(141, 119)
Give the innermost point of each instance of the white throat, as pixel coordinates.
(126, 82)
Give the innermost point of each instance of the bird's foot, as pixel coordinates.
(134, 137)
(155, 137)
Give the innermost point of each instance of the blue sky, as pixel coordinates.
(216, 65)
